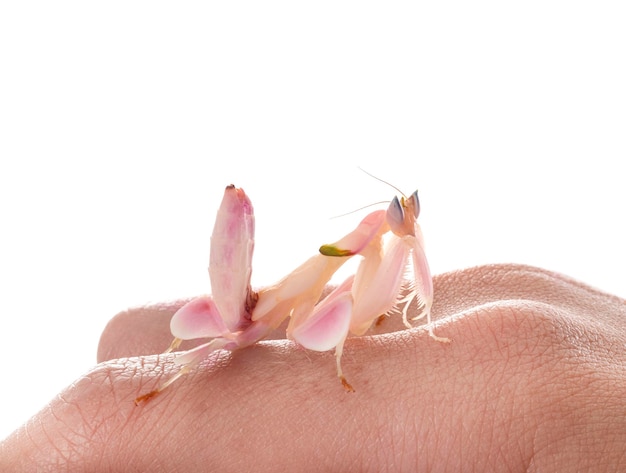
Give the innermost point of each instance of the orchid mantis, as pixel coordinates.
(235, 316)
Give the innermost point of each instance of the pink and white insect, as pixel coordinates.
(391, 274)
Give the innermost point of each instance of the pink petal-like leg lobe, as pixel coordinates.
(199, 318)
(327, 326)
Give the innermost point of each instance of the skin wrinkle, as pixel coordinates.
(398, 344)
(263, 385)
(411, 428)
(569, 411)
(157, 435)
(384, 428)
(133, 418)
(621, 459)
(501, 337)
(496, 425)
(147, 431)
(98, 420)
(435, 417)
(382, 434)
(340, 448)
(84, 424)
(378, 431)
(337, 440)
(390, 348)
(394, 349)
(501, 423)
(58, 454)
(556, 449)
(68, 443)
(528, 431)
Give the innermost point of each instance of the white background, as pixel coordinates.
(121, 122)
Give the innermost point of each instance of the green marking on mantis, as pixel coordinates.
(330, 250)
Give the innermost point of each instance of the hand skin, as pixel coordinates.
(534, 380)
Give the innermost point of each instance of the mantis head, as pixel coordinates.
(402, 214)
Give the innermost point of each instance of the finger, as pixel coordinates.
(487, 399)
(145, 330)
(138, 331)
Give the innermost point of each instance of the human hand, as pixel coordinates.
(534, 380)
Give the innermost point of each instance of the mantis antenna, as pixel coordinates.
(383, 181)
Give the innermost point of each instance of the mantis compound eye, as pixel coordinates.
(395, 216)
(414, 203)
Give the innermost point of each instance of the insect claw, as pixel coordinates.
(437, 337)
(420, 316)
(145, 397)
(405, 309)
(344, 382)
(423, 311)
(347, 386)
